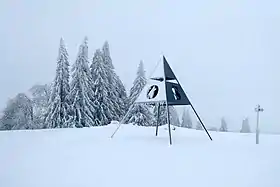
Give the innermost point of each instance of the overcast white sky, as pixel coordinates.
(225, 54)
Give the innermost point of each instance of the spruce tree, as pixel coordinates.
(186, 119)
(198, 126)
(139, 114)
(81, 89)
(174, 118)
(118, 93)
(173, 114)
(223, 127)
(245, 126)
(40, 95)
(18, 114)
(58, 112)
(162, 120)
(107, 56)
(122, 96)
(102, 102)
(138, 84)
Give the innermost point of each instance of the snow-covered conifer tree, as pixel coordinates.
(18, 114)
(118, 93)
(245, 126)
(58, 112)
(40, 95)
(162, 114)
(198, 126)
(107, 56)
(138, 84)
(186, 119)
(174, 118)
(223, 127)
(122, 96)
(173, 114)
(81, 92)
(140, 114)
(102, 102)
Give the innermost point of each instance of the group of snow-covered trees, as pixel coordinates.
(89, 94)
(95, 95)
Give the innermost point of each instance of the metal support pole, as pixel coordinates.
(158, 110)
(258, 109)
(201, 122)
(257, 129)
(168, 121)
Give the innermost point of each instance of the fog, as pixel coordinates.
(225, 54)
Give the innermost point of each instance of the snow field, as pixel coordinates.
(87, 157)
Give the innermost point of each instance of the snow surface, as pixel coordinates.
(87, 157)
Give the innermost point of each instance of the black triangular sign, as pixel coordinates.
(175, 94)
(168, 71)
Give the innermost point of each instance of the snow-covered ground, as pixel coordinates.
(135, 157)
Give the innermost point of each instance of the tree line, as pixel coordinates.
(88, 94)
(245, 127)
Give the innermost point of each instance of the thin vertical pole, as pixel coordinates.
(167, 108)
(257, 129)
(168, 121)
(157, 118)
(258, 110)
(201, 122)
